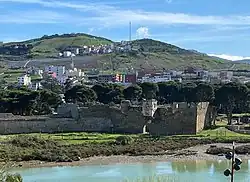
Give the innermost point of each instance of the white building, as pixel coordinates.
(24, 80)
(62, 79)
(156, 79)
(226, 76)
(59, 70)
(67, 54)
(75, 73)
(35, 86)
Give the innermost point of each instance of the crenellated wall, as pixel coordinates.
(165, 120)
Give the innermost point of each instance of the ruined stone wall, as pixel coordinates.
(202, 109)
(104, 118)
(181, 120)
(166, 122)
(91, 119)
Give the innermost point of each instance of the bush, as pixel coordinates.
(32, 142)
(124, 140)
(14, 178)
(7, 177)
(244, 149)
(218, 150)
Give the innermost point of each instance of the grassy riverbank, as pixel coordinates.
(68, 147)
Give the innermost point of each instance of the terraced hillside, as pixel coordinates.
(147, 54)
(50, 46)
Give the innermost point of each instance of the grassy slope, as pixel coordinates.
(156, 55)
(153, 55)
(49, 46)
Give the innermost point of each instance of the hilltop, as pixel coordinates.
(148, 55)
(50, 46)
(247, 61)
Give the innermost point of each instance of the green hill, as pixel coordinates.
(146, 54)
(50, 46)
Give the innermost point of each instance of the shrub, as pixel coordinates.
(33, 142)
(13, 178)
(124, 140)
(244, 149)
(218, 150)
(7, 177)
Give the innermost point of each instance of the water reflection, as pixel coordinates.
(181, 171)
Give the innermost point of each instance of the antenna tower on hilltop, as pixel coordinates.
(130, 31)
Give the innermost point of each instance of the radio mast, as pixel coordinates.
(130, 31)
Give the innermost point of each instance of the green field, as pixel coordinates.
(83, 137)
(10, 76)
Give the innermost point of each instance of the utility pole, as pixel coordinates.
(235, 164)
(232, 167)
(130, 31)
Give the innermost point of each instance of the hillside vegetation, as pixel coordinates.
(147, 54)
(50, 46)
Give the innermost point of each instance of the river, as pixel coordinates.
(182, 171)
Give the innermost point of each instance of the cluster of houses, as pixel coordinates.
(188, 75)
(72, 51)
(61, 74)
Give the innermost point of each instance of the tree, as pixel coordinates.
(188, 92)
(230, 96)
(26, 102)
(101, 91)
(52, 84)
(204, 92)
(46, 100)
(80, 93)
(115, 95)
(168, 91)
(68, 84)
(149, 90)
(133, 92)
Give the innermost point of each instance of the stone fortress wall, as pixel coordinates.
(176, 118)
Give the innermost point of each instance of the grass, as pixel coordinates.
(51, 46)
(241, 115)
(10, 76)
(71, 138)
(82, 137)
(221, 132)
(156, 55)
(65, 147)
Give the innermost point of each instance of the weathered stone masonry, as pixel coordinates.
(178, 118)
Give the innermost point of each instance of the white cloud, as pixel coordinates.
(229, 57)
(34, 16)
(169, 1)
(142, 32)
(108, 15)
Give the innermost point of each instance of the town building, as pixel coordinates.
(155, 78)
(226, 76)
(192, 74)
(75, 73)
(35, 86)
(62, 79)
(67, 54)
(105, 78)
(58, 70)
(24, 80)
